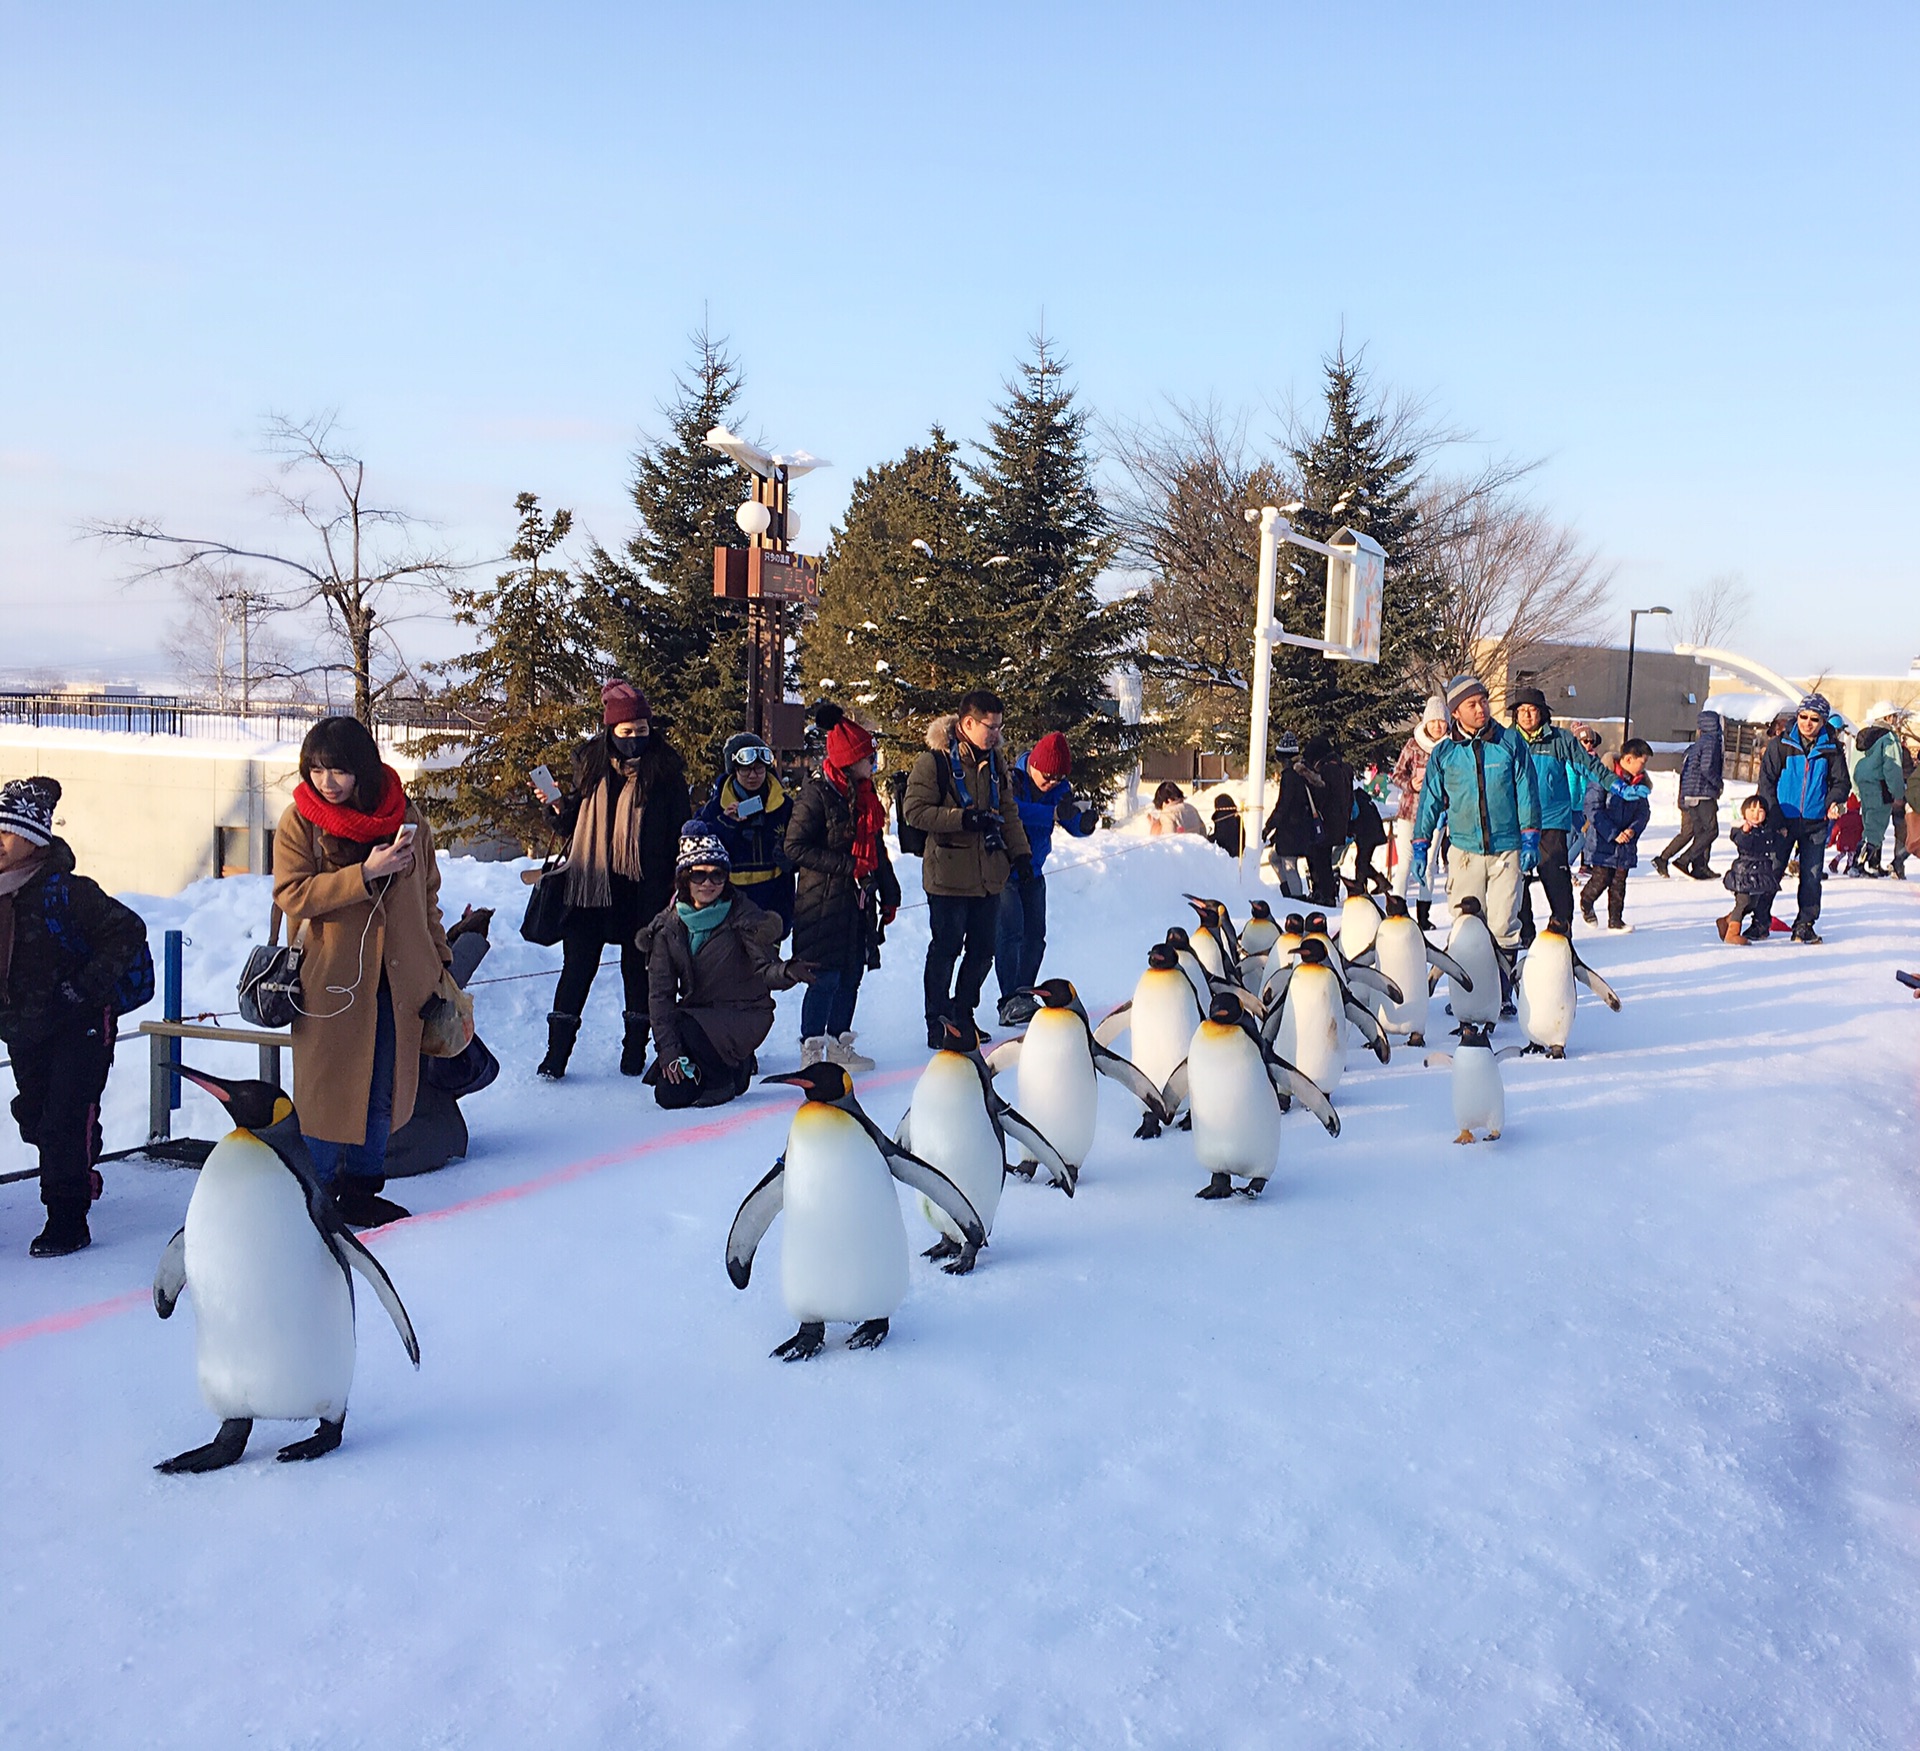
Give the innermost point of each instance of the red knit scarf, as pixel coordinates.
(869, 819)
(345, 823)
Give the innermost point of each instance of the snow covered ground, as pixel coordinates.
(1604, 1435)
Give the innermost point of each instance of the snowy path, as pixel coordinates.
(1601, 1436)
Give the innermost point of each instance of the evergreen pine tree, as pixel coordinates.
(659, 619)
(1352, 476)
(902, 630)
(530, 689)
(1047, 540)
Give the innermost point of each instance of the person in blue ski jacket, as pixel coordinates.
(749, 809)
(1481, 779)
(1042, 791)
(1562, 769)
(1804, 783)
(1702, 775)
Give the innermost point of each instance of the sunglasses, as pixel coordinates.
(706, 877)
(754, 757)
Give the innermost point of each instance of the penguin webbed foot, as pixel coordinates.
(1556, 1051)
(1186, 1122)
(1252, 1189)
(1533, 1049)
(1220, 1186)
(1493, 1137)
(1464, 1137)
(1023, 1168)
(1149, 1125)
(322, 1441)
(960, 1267)
(805, 1344)
(223, 1450)
(1416, 1039)
(870, 1334)
(943, 1248)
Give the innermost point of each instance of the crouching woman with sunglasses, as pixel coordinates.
(713, 964)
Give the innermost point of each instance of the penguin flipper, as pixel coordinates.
(1003, 1055)
(1114, 1023)
(1433, 1060)
(1174, 1096)
(752, 1220)
(1029, 1136)
(1439, 958)
(1130, 1077)
(1370, 1029)
(170, 1275)
(1252, 1005)
(1249, 967)
(934, 1185)
(1288, 1080)
(1370, 979)
(1594, 983)
(903, 1132)
(1506, 1052)
(1275, 989)
(349, 1251)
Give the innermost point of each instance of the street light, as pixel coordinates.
(1626, 708)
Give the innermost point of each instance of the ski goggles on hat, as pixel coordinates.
(753, 756)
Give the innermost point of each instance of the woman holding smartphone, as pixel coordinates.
(749, 809)
(354, 865)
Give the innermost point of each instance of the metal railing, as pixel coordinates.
(209, 720)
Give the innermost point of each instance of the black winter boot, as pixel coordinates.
(562, 1031)
(66, 1230)
(633, 1044)
(1423, 914)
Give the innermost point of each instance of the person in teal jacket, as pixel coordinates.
(1562, 770)
(1481, 778)
(1880, 778)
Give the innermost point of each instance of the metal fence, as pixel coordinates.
(396, 720)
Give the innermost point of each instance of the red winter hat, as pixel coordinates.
(1051, 754)
(622, 703)
(846, 743)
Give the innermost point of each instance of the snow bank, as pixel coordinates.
(1600, 1436)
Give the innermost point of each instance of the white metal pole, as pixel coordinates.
(1262, 683)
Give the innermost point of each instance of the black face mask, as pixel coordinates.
(628, 747)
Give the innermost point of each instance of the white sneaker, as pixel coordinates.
(841, 1052)
(813, 1051)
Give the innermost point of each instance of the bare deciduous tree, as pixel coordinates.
(227, 641)
(1713, 612)
(363, 558)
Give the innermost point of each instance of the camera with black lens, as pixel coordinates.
(990, 834)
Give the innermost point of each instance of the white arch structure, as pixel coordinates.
(1767, 680)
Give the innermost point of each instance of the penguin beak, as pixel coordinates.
(200, 1079)
(796, 1078)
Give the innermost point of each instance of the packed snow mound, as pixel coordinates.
(1597, 1436)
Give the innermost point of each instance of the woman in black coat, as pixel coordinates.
(845, 893)
(623, 816)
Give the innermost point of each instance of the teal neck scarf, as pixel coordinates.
(702, 921)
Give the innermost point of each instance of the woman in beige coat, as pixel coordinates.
(353, 862)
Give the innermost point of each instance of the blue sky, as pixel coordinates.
(1669, 249)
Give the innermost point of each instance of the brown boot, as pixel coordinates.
(1730, 930)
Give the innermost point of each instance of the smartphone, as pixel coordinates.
(405, 836)
(749, 805)
(543, 784)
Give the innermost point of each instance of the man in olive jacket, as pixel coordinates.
(957, 794)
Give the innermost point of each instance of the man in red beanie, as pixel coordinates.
(1045, 797)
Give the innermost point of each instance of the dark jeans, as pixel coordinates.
(1699, 827)
(963, 928)
(1899, 837)
(827, 1008)
(1556, 877)
(1809, 840)
(366, 1162)
(1612, 883)
(60, 1080)
(1020, 935)
(713, 1075)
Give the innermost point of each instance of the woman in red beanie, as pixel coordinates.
(845, 894)
(1040, 788)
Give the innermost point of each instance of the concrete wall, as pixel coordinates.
(1589, 683)
(144, 813)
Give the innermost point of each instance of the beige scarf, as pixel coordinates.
(589, 874)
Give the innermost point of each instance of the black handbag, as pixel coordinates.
(270, 981)
(546, 918)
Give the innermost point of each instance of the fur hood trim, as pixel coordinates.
(942, 731)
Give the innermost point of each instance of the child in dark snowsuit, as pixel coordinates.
(71, 962)
(1755, 876)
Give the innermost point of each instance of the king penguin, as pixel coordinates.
(1058, 1062)
(1257, 936)
(1182, 946)
(1161, 1016)
(1404, 955)
(1237, 1088)
(1545, 994)
(1359, 922)
(960, 1126)
(1306, 1027)
(1475, 995)
(1479, 1099)
(1285, 950)
(269, 1267)
(843, 1255)
(1216, 944)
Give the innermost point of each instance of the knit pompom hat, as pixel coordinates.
(700, 847)
(622, 703)
(1051, 754)
(1288, 744)
(26, 808)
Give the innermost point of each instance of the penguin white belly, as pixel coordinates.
(1207, 952)
(1236, 1116)
(950, 1130)
(1310, 1037)
(1259, 936)
(1402, 956)
(1471, 944)
(272, 1310)
(1280, 956)
(1479, 1097)
(1359, 925)
(1056, 1083)
(843, 1254)
(1162, 1023)
(1545, 994)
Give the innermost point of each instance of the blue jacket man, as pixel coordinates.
(1562, 771)
(1044, 796)
(1481, 778)
(1804, 782)
(1702, 775)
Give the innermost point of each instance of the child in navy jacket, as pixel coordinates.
(1760, 854)
(1617, 812)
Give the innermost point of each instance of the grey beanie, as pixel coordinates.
(1435, 711)
(26, 808)
(1462, 688)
